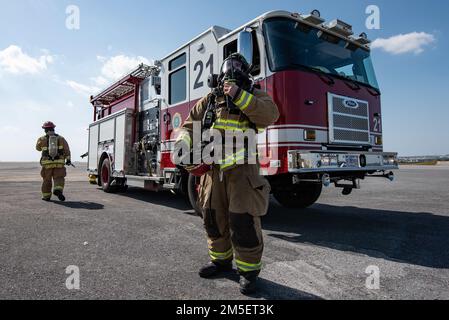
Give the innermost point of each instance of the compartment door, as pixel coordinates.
(119, 149)
(93, 148)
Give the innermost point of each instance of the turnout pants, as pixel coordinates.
(232, 204)
(52, 176)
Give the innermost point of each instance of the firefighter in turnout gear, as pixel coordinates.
(55, 155)
(233, 196)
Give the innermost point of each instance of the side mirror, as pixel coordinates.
(245, 45)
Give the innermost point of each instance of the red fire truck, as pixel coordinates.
(319, 74)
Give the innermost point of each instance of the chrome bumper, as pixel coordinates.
(332, 161)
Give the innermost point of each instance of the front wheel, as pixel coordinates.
(299, 196)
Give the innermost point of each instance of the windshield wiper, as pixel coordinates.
(329, 80)
(358, 84)
(349, 81)
(373, 90)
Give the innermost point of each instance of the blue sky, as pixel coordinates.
(48, 71)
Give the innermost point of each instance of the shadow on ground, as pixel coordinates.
(414, 238)
(273, 291)
(81, 205)
(419, 238)
(163, 198)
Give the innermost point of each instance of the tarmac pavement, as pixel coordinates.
(143, 245)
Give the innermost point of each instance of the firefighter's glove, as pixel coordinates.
(230, 89)
(68, 162)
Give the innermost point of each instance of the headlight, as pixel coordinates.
(390, 161)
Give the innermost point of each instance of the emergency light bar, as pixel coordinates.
(314, 18)
(363, 39)
(340, 27)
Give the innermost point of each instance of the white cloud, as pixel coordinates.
(82, 88)
(113, 68)
(100, 81)
(116, 67)
(14, 60)
(102, 59)
(413, 42)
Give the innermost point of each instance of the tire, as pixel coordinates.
(192, 193)
(105, 177)
(299, 197)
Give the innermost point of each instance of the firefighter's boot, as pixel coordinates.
(248, 282)
(213, 269)
(60, 195)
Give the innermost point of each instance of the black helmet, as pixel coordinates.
(235, 62)
(236, 69)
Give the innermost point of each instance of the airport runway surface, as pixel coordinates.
(143, 245)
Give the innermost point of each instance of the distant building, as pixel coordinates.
(420, 159)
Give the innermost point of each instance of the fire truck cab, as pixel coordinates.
(320, 76)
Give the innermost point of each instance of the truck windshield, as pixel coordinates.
(293, 45)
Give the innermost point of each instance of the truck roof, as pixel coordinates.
(124, 86)
(221, 33)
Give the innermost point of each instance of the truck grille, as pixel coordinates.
(348, 120)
